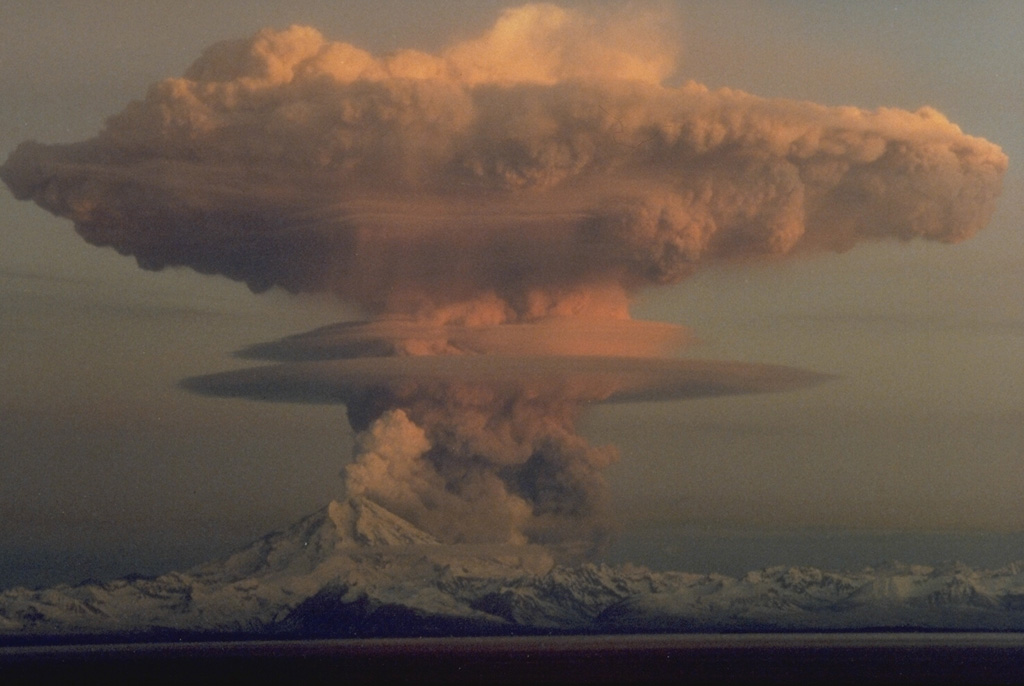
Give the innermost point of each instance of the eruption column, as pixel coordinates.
(528, 180)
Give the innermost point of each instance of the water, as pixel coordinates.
(926, 658)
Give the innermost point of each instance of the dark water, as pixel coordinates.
(918, 658)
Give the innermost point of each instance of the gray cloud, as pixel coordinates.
(580, 379)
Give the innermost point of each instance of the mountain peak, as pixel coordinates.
(353, 568)
(363, 522)
(350, 524)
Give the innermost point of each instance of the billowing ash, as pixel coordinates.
(476, 440)
(541, 172)
(540, 169)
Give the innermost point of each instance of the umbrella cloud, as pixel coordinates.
(582, 378)
(541, 169)
(554, 336)
(492, 208)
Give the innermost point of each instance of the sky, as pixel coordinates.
(109, 467)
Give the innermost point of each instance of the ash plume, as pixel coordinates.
(536, 176)
(541, 169)
(478, 463)
(482, 446)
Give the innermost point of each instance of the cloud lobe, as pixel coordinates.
(468, 186)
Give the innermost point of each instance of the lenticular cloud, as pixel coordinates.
(541, 169)
(492, 208)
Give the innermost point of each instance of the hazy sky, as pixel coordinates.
(102, 456)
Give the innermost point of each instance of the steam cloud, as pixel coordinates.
(538, 173)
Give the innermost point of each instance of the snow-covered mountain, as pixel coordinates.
(355, 569)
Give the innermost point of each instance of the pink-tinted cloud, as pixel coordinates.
(472, 187)
(493, 207)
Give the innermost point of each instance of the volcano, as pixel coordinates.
(354, 569)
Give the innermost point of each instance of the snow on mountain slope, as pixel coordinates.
(355, 569)
(894, 596)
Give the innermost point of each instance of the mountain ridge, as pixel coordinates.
(355, 569)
